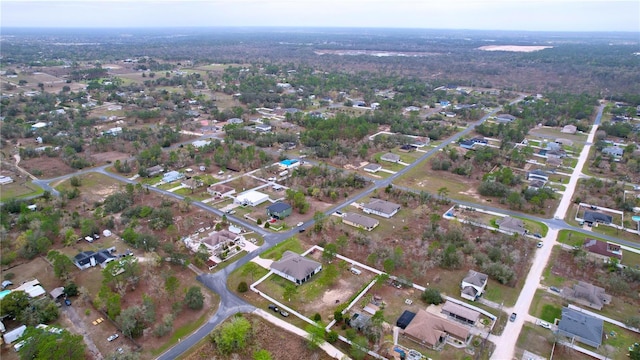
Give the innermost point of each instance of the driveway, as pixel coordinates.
(70, 313)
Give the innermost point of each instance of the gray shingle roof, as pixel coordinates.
(584, 326)
(593, 216)
(295, 265)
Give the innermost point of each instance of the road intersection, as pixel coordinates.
(231, 303)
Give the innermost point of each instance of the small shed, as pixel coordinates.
(57, 293)
(405, 319)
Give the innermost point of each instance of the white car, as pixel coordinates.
(299, 224)
(112, 337)
(544, 324)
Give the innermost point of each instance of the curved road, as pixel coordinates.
(231, 303)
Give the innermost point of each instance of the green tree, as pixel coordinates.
(243, 287)
(47, 345)
(13, 303)
(330, 251)
(359, 347)
(171, 285)
(290, 291)
(131, 321)
(232, 336)
(316, 334)
(194, 299)
(62, 264)
(432, 296)
(262, 355)
(39, 311)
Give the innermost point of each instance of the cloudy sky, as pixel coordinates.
(552, 15)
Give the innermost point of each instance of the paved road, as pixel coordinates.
(505, 347)
(231, 304)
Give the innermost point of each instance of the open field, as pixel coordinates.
(19, 189)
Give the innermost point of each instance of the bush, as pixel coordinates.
(332, 336)
(432, 296)
(317, 317)
(9, 276)
(243, 287)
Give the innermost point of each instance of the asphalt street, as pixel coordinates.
(231, 303)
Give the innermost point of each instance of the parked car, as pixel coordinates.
(96, 236)
(231, 212)
(273, 307)
(540, 243)
(513, 316)
(544, 324)
(537, 235)
(67, 302)
(299, 224)
(301, 230)
(554, 289)
(113, 337)
(284, 313)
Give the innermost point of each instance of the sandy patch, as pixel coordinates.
(513, 48)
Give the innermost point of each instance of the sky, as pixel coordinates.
(527, 15)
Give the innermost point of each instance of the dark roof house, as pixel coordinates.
(405, 319)
(390, 157)
(581, 327)
(87, 259)
(473, 285)
(597, 217)
(279, 210)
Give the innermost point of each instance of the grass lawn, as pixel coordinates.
(198, 196)
(422, 178)
(19, 190)
(534, 226)
(618, 340)
(275, 253)
(545, 305)
(150, 180)
(534, 339)
(499, 293)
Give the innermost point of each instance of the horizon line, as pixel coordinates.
(306, 27)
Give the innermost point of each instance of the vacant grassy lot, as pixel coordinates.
(19, 190)
(546, 306)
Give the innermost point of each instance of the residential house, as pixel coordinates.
(289, 164)
(536, 184)
(569, 129)
(172, 176)
(538, 175)
(154, 170)
(221, 190)
(279, 210)
(411, 108)
(460, 313)
(13, 335)
(473, 285)
(433, 331)
(591, 217)
(448, 114)
(192, 184)
(218, 240)
(588, 295)
(112, 132)
(505, 118)
(372, 168)
(603, 249)
(87, 259)
(407, 148)
(420, 142)
(512, 225)
(251, 198)
(467, 144)
(581, 327)
(382, 208)
(32, 288)
(263, 128)
(235, 121)
(480, 141)
(201, 143)
(445, 103)
(360, 221)
(4, 180)
(390, 157)
(295, 267)
(613, 151)
(38, 125)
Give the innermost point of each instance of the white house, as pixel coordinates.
(382, 208)
(473, 285)
(200, 143)
(295, 267)
(251, 198)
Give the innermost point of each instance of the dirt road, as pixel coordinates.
(78, 327)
